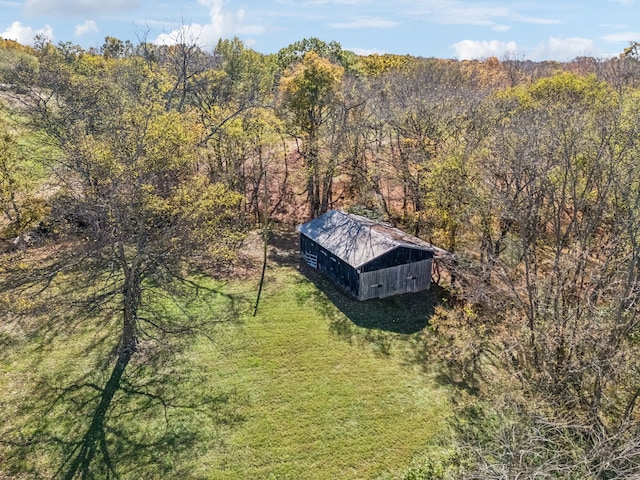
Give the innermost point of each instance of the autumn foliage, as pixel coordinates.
(525, 171)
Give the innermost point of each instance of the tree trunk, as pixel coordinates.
(131, 300)
(94, 438)
(313, 175)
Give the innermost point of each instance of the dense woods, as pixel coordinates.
(140, 166)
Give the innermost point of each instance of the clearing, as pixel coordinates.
(315, 386)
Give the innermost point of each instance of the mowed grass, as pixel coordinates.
(309, 388)
(320, 401)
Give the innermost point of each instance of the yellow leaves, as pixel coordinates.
(560, 91)
(319, 73)
(194, 217)
(469, 313)
(489, 73)
(19, 203)
(90, 64)
(211, 77)
(147, 188)
(201, 200)
(423, 145)
(21, 305)
(157, 142)
(264, 125)
(375, 65)
(630, 51)
(13, 45)
(203, 214)
(309, 86)
(171, 141)
(196, 201)
(99, 152)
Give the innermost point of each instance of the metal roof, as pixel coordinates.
(357, 240)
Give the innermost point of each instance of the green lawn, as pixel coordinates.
(316, 386)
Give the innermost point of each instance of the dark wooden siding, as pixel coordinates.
(339, 271)
(410, 277)
(401, 270)
(308, 246)
(397, 256)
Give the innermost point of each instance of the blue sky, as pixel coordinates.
(529, 29)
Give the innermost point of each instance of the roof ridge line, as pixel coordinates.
(370, 224)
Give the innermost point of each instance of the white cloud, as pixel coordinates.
(622, 37)
(188, 34)
(478, 49)
(218, 17)
(535, 20)
(224, 24)
(364, 22)
(467, 15)
(627, 3)
(87, 27)
(24, 34)
(306, 3)
(617, 26)
(558, 49)
(563, 49)
(78, 7)
(366, 52)
(453, 12)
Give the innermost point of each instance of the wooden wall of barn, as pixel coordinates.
(308, 246)
(397, 256)
(339, 271)
(410, 277)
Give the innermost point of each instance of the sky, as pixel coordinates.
(464, 29)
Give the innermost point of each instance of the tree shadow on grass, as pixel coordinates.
(139, 424)
(98, 417)
(380, 322)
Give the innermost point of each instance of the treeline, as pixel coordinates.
(526, 171)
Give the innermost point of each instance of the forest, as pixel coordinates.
(135, 177)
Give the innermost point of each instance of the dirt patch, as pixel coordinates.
(15, 101)
(282, 249)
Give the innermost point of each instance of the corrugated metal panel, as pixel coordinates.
(411, 277)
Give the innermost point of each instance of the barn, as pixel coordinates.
(368, 259)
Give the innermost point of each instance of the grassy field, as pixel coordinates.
(315, 386)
